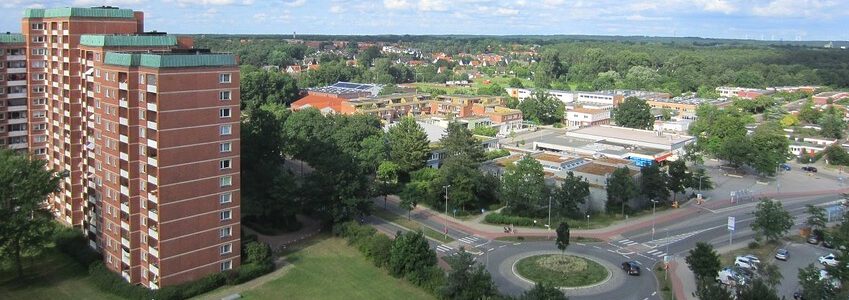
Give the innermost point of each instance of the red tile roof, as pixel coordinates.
(318, 102)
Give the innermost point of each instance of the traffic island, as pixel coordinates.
(562, 270)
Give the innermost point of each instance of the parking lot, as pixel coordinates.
(801, 255)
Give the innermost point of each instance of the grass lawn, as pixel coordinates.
(52, 275)
(327, 268)
(413, 225)
(764, 251)
(572, 271)
(663, 281)
(520, 238)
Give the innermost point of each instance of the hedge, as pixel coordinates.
(498, 218)
(72, 243)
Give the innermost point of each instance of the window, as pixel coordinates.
(224, 113)
(142, 132)
(143, 149)
(225, 265)
(144, 271)
(226, 249)
(142, 168)
(225, 198)
(40, 151)
(39, 101)
(37, 26)
(225, 164)
(226, 129)
(225, 147)
(97, 58)
(225, 215)
(97, 103)
(143, 187)
(96, 71)
(224, 95)
(141, 114)
(38, 39)
(40, 138)
(141, 79)
(225, 232)
(39, 114)
(141, 96)
(224, 78)
(225, 181)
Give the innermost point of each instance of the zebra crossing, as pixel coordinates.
(627, 242)
(443, 248)
(469, 240)
(656, 253)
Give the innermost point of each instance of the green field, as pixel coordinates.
(561, 270)
(330, 269)
(50, 276)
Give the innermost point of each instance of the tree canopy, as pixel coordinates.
(634, 113)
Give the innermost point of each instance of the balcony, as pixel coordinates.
(126, 275)
(123, 138)
(152, 161)
(151, 88)
(16, 83)
(152, 179)
(153, 252)
(16, 70)
(18, 146)
(154, 269)
(152, 144)
(153, 215)
(16, 121)
(123, 102)
(92, 199)
(65, 32)
(122, 120)
(16, 57)
(92, 228)
(150, 106)
(16, 95)
(122, 85)
(124, 207)
(125, 174)
(153, 233)
(151, 125)
(152, 198)
(89, 63)
(17, 133)
(125, 191)
(153, 286)
(125, 257)
(125, 242)
(90, 94)
(16, 108)
(125, 226)
(124, 156)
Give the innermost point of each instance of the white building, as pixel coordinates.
(584, 117)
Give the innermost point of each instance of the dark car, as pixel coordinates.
(631, 267)
(785, 167)
(826, 242)
(814, 238)
(809, 169)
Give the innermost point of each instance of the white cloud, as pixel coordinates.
(790, 8)
(185, 3)
(397, 4)
(721, 6)
(295, 3)
(553, 2)
(336, 9)
(105, 2)
(432, 5)
(504, 11)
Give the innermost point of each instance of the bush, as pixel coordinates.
(111, 282)
(258, 252)
(74, 244)
(754, 245)
(248, 272)
(377, 248)
(490, 155)
(498, 218)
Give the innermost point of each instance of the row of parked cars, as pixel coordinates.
(741, 272)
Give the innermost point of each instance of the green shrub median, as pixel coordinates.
(561, 270)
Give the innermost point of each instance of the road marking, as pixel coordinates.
(654, 293)
(625, 240)
(490, 249)
(611, 251)
(652, 251)
(469, 239)
(597, 247)
(581, 244)
(443, 248)
(660, 254)
(502, 246)
(516, 244)
(638, 262)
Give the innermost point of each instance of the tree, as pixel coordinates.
(703, 261)
(460, 142)
(515, 83)
(634, 113)
(562, 236)
(27, 225)
(699, 180)
(408, 146)
(653, 183)
(368, 55)
(606, 81)
(808, 113)
(770, 274)
(678, 178)
(714, 291)
(621, 188)
(814, 287)
(410, 256)
(832, 123)
(542, 108)
(816, 217)
(467, 280)
(735, 150)
(789, 121)
(757, 290)
(772, 221)
(259, 87)
(523, 186)
(573, 190)
(543, 291)
(769, 148)
(387, 175)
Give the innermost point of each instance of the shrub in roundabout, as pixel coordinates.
(561, 270)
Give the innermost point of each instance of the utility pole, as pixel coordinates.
(653, 210)
(549, 212)
(446, 210)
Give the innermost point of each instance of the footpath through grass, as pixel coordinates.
(330, 269)
(412, 225)
(51, 275)
(561, 270)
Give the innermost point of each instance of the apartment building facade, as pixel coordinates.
(148, 131)
(14, 112)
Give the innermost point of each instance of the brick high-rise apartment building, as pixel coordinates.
(147, 128)
(13, 92)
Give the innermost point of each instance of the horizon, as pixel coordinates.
(759, 20)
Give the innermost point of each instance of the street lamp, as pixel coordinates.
(588, 221)
(653, 210)
(446, 209)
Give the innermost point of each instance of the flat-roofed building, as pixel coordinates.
(14, 109)
(583, 117)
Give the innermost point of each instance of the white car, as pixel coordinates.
(745, 263)
(752, 258)
(728, 276)
(835, 283)
(829, 260)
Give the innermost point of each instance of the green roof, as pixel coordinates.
(11, 38)
(127, 40)
(78, 12)
(169, 60)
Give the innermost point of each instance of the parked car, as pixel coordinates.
(785, 167)
(729, 276)
(745, 263)
(835, 283)
(829, 260)
(826, 242)
(631, 268)
(752, 258)
(782, 254)
(814, 238)
(809, 169)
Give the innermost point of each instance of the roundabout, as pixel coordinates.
(565, 271)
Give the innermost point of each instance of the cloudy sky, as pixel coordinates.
(754, 19)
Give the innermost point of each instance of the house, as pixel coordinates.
(584, 117)
(826, 97)
(294, 69)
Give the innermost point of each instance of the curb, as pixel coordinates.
(609, 274)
